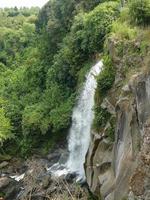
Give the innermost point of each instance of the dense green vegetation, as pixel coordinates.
(106, 78)
(44, 57)
(140, 12)
(130, 28)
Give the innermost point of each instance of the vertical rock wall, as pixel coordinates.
(120, 170)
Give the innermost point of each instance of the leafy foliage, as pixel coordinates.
(111, 129)
(105, 82)
(101, 117)
(140, 12)
(106, 77)
(122, 30)
(43, 60)
(5, 126)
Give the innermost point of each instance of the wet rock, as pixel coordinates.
(46, 181)
(38, 196)
(38, 184)
(70, 177)
(64, 157)
(126, 88)
(52, 190)
(54, 157)
(9, 187)
(13, 167)
(4, 164)
(4, 181)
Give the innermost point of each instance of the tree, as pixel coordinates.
(140, 12)
(5, 127)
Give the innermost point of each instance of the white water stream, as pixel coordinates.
(82, 118)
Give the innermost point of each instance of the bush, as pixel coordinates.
(106, 78)
(140, 12)
(101, 117)
(111, 129)
(5, 127)
(123, 31)
(90, 29)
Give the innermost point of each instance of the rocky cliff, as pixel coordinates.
(120, 169)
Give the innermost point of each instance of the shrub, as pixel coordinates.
(123, 31)
(124, 15)
(90, 29)
(101, 117)
(5, 127)
(111, 129)
(106, 77)
(140, 12)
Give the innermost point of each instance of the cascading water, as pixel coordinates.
(82, 117)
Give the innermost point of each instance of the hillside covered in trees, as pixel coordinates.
(44, 57)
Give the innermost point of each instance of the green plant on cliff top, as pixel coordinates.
(5, 126)
(106, 78)
(139, 11)
(123, 31)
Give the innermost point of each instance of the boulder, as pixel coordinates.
(107, 105)
(70, 177)
(9, 188)
(4, 164)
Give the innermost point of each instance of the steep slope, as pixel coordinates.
(118, 160)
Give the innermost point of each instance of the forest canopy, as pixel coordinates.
(44, 56)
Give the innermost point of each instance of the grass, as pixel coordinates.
(123, 31)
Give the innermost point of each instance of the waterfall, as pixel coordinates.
(79, 134)
(82, 118)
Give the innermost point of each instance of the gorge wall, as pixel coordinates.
(119, 169)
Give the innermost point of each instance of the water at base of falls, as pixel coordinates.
(79, 134)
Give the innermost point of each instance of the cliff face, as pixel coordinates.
(120, 169)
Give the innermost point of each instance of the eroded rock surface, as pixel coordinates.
(9, 188)
(120, 169)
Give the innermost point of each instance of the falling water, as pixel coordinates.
(79, 136)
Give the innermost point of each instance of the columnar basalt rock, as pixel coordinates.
(121, 169)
